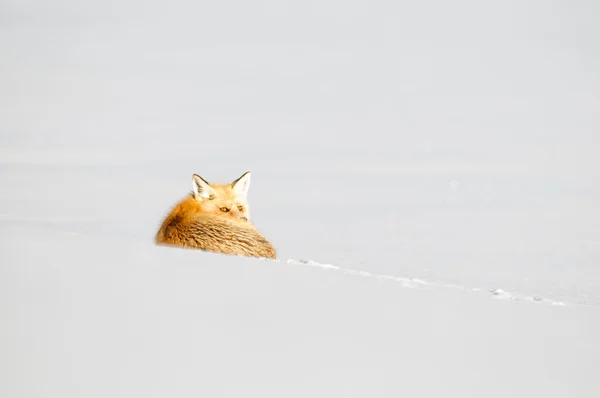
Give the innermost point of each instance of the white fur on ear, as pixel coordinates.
(201, 188)
(242, 184)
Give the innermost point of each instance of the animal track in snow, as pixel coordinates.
(416, 283)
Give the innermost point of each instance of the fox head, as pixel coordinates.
(228, 200)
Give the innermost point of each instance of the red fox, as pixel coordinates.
(215, 218)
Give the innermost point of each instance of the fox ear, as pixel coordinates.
(241, 185)
(201, 188)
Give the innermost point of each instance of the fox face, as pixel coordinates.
(227, 200)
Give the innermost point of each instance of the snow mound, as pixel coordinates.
(84, 316)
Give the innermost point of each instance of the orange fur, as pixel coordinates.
(215, 218)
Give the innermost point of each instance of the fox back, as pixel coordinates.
(216, 218)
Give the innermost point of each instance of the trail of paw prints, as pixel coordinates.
(416, 283)
(501, 294)
(405, 282)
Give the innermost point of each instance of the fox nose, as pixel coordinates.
(244, 218)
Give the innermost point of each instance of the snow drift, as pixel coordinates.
(93, 317)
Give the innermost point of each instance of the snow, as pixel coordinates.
(427, 173)
(95, 317)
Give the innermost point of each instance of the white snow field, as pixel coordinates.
(427, 171)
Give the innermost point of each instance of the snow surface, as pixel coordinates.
(428, 173)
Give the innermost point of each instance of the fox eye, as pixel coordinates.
(240, 208)
(224, 209)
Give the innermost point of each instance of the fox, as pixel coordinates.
(215, 218)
